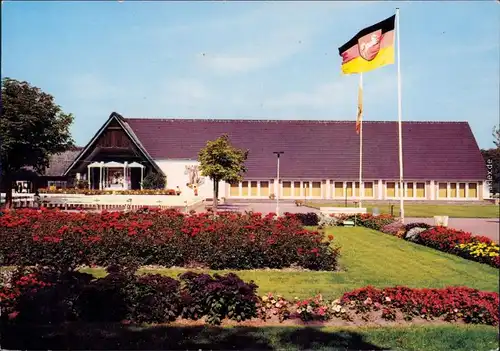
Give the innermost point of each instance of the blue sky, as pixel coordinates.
(265, 60)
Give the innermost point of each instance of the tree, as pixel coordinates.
(220, 161)
(153, 181)
(32, 128)
(496, 136)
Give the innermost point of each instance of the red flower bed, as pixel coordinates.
(452, 303)
(167, 238)
(446, 239)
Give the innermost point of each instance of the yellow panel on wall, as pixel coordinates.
(356, 185)
(339, 189)
(443, 190)
(472, 190)
(461, 192)
(453, 190)
(316, 189)
(244, 188)
(420, 190)
(296, 188)
(264, 188)
(287, 188)
(368, 189)
(348, 189)
(234, 189)
(391, 189)
(409, 190)
(253, 189)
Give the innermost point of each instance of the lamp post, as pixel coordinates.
(278, 153)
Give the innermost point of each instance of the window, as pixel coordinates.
(443, 190)
(409, 189)
(264, 188)
(296, 188)
(472, 190)
(287, 188)
(244, 188)
(348, 189)
(420, 190)
(356, 189)
(306, 189)
(316, 189)
(453, 190)
(253, 188)
(368, 189)
(391, 189)
(461, 190)
(234, 189)
(339, 189)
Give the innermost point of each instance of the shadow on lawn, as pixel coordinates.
(119, 337)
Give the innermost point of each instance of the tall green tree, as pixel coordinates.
(221, 161)
(32, 128)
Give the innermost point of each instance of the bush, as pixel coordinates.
(218, 297)
(124, 296)
(368, 220)
(153, 181)
(394, 228)
(168, 238)
(307, 219)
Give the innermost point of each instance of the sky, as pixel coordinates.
(252, 60)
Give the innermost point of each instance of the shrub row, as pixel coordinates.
(366, 220)
(167, 238)
(47, 297)
(108, 192)
(457, 242)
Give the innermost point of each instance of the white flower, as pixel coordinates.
(309, 309)
(337, 308)
(388, 299)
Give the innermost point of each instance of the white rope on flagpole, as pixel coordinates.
(360, 91)
(400, 132)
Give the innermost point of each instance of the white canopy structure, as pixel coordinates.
(104, 173)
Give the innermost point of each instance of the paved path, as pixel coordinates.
(488, 227)
(266, 207)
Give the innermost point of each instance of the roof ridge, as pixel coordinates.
(279, 120)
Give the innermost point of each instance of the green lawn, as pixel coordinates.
(116, 337)
(425, 210)
(369, 257)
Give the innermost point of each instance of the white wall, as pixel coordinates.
(175, 170)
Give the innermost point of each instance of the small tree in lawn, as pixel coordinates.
(32, 128)
(220, 161)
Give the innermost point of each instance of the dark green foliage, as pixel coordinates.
(32, 128)
(153, 181)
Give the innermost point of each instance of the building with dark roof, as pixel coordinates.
(442, 160)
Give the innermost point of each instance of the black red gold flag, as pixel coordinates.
(371, 48)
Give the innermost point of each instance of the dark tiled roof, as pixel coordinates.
(59, 162)
(324, 149)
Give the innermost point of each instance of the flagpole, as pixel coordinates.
(400, 132)
(360, 142)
